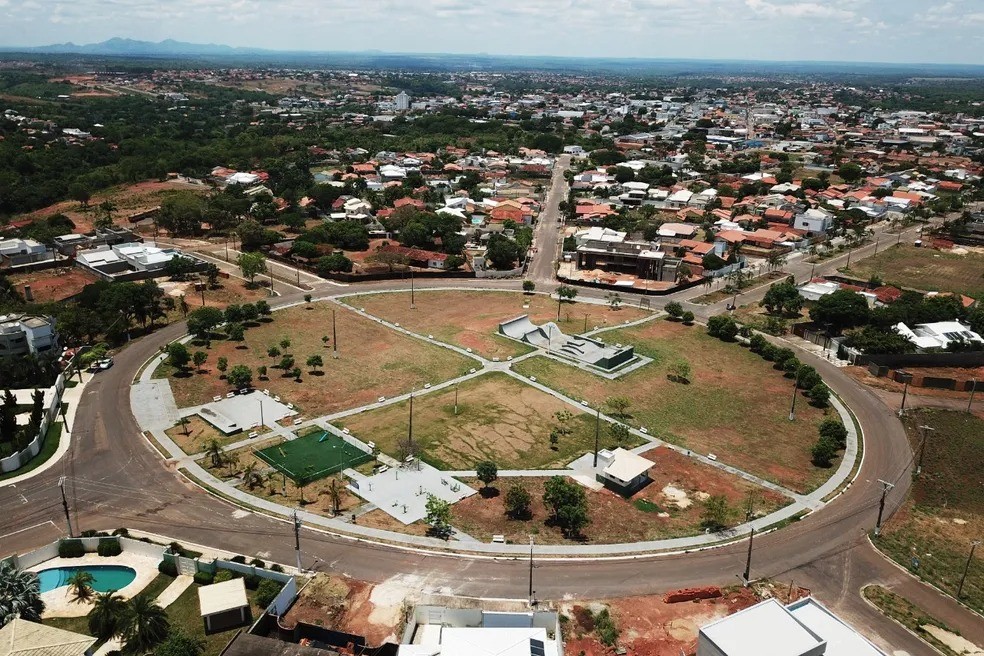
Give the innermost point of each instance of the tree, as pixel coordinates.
(715, 513)
(222, 364)
(681, 371)
(213, 451)
(273, 352)
(850, 172)
(307, 298)
(314, 362)
(20, 594)
(438, 515)
(263, 308)
(144, 625)
(807, 377)
(834, 430)
(723, 327)
(688, 318)
(240, 376)
(819, 395)
(235, 331)
(336, 262)
(178, 643)
(529, 286)
(334, 495)
(619, 432)
(251, 265)
(80, 586)
(285, 343)
(567, 293)
(181, 213)
(249, 313)
(295, 373)
(106, 615)
(823, 452)
(517, 502)
(487, 472)
(212, 275)
(233, 314)
(261, 371)
(874, 339)
(614, 300)
(782, 298)
(674, 309)
(199, 359)
(568, 504)
(80, 194)
(619, 406)
(841, 309)
(267, 592)
(287, 362)
(202, 320)
(177, 355)
(502, 252)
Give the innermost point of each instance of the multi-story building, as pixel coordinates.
(21, 334)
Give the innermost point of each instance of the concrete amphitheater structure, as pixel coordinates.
(580, 348)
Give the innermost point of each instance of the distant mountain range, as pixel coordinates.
(133, 48)
(374, 59)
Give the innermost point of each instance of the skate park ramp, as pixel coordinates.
(580, 348)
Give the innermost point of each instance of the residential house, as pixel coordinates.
(622, 470)
(19, 637)
(815, 221)
(940, 335)
(21, 334)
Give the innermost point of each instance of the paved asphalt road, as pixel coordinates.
(115, 478)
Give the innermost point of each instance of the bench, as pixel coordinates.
(253, 434)
(499, 539)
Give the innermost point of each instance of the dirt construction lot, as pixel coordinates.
(470, 319)
(669, 507)
(373, 361)
(499, 418)
(735, 405)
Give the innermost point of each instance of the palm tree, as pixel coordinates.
(80, 586)
(334, 495)
(20, 594)
(251, 478)
(144, 625)
(106, 615)
(214, 451)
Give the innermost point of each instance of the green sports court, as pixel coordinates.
(313, 456)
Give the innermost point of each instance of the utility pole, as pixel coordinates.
(410, 424)
(907, 378)
(812, 270)
(260, 401)
(597, 431)
(64, 418)
(271, 281)
(412, 306)
(922, 447)
(334, 337)
(886, 486)
(532, 592)
(748, 559)
(973, 545)
(792, 407)
(297, 540)
(973, 388)
(68, 519)
(201, 287)
(560, 299)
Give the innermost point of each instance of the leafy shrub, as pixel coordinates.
(267, 592)
(223, 575)
(256, 562)
(122, 532)
(168, 568)
(274, 567)
(108, 547)
(204, 578)
(238, 559)
(252, 581)
(70, 549)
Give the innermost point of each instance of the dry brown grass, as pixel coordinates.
(470, 319)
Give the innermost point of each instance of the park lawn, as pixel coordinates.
(499, 418)
(470, 319)
(373, 361)
(925, 269)
(650, 514)
(736, 405)
(196, 433)
(945, 509)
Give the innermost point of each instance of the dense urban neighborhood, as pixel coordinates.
(312, 360)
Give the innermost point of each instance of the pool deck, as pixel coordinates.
(58, 602)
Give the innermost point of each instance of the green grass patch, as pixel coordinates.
(185, 614)
(314, 456)
(645, 505)
(51, 441)
(908, 615)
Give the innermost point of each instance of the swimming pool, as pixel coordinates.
(105, 577)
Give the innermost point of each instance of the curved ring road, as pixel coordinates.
(116, 478)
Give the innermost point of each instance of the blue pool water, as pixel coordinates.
(106, 577)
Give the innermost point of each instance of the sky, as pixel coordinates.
(902, 31)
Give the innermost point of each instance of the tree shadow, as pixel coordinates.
(316, 373)
(490, 492)
(183, 373)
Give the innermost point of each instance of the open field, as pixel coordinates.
(925, 269)
(193, 435)
(373, 361)
(470, 319)
(499, 419)
(735, 406)
(669, 507)
(945, 510)
(128, 200)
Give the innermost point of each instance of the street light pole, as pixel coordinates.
(456, 398)
(531, 591)
(597, 431)
(334, 337)
(973, 388)
(792, 407)
(410, 423)
(973, 545)
(922, 447)
(886, 486)
(748, 559)
(412, 306)
(905, 392)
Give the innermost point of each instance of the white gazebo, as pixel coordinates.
(224, 605)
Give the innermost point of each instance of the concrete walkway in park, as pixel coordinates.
(800, 503)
